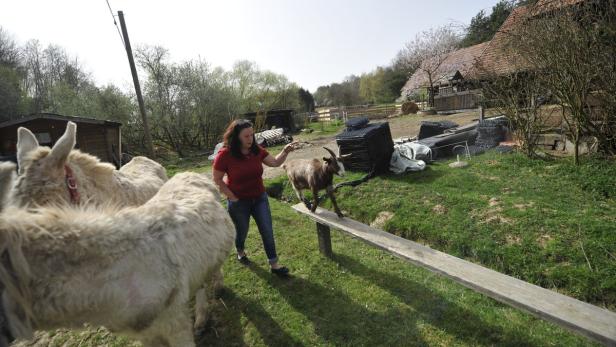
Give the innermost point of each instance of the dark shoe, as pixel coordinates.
(244, 260)
(282, 271)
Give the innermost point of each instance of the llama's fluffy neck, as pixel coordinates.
(90, 166)
(95, 179)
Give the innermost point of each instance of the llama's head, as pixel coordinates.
(42, 171)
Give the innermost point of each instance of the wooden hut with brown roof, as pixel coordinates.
(457, 81)
(98, 137)
(452, 87)
(499, 58)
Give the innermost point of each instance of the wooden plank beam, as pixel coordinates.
(325, 242)
(580, 317)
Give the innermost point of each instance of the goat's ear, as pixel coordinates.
(64, 145)
(327, 159)
(26, 143)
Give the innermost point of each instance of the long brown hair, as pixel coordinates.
(232, 141)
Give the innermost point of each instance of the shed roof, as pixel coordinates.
(54, 116)
(547, 5)
(459, 61)
(498, 58)
(491, 57)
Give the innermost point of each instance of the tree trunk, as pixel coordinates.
(431, 91)
(576, 152)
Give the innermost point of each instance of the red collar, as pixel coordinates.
(71, 184)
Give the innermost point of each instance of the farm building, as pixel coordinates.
(456, 83)
(282, 118)
(453, 86)
(101, 138)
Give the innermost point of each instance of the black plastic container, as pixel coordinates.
(370, 146)
(430, 128)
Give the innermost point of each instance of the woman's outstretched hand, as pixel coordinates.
(290, 147)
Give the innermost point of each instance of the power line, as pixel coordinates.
(115, 23)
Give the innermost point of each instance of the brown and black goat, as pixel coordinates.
(315, 175)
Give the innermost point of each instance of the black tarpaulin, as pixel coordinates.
(370, 147)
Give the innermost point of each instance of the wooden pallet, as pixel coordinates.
(580, 317)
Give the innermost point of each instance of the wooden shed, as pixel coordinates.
(100, 138)
(282, 118)
(454, 86)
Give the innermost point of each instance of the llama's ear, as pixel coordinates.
(64, 145)
(26, 143)
(7, 173)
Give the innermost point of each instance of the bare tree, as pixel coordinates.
(427, 52)
(519, 96)
(572, 49)
(10, 54)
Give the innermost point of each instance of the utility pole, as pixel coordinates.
(133, 70)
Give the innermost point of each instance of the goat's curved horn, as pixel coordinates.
(330, 152)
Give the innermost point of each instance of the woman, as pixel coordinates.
(240, 159)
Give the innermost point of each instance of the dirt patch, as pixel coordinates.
(409, 125)
(524, 207)
(488, 178)
(494, 202)
(382, 218)
(513, 240)
(439, 209)
(544, 240)
(493, 214)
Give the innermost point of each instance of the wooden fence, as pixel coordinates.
(345, 112)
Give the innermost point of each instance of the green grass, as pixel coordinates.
(552, 224)
(363, 297)
(366, 297)
(321, 129)
(193, 162)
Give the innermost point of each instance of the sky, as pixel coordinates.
(313, 42)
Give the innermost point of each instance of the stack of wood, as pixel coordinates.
(272, 137)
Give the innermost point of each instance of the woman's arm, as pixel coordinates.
(281, 157)
(222, 186)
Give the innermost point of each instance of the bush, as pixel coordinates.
(409, 107)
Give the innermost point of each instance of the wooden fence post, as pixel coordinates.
(481, 113)
(325, 241)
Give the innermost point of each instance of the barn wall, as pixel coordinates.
(464, 100)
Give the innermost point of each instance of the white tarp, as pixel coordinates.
(404, 157)
(216, 149)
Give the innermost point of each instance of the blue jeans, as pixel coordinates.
(240, 212)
